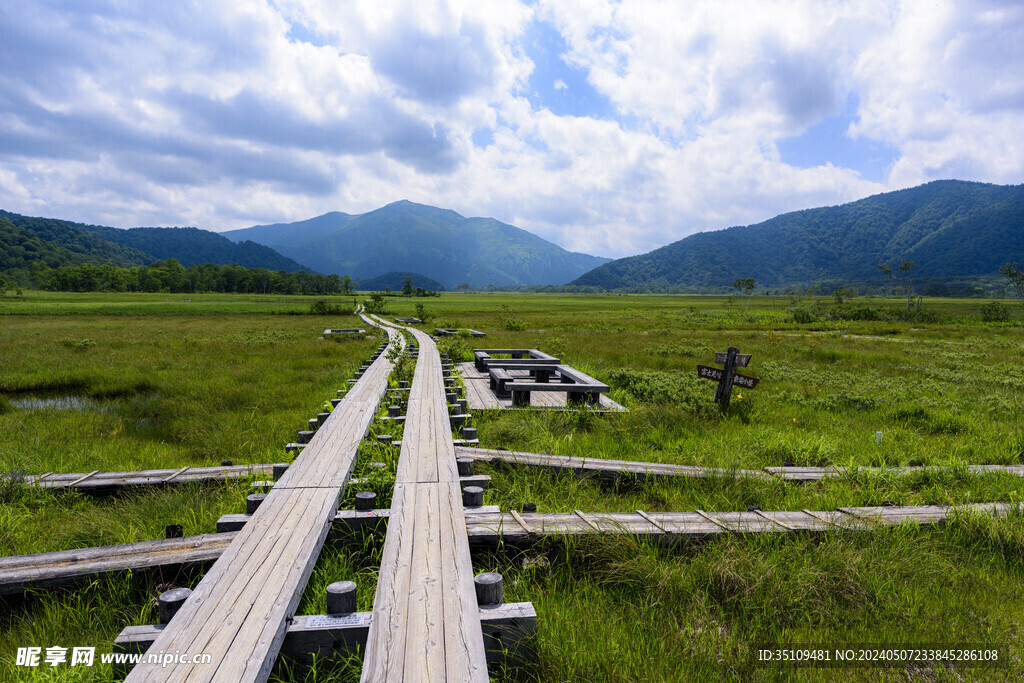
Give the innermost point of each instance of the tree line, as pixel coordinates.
(170, 276)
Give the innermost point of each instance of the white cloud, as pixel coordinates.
(227, 114)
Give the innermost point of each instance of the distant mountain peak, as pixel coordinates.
(405, 236)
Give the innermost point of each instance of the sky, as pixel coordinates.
(608, 127)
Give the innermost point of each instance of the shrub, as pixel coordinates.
(995, 312)
(321, 307)
(805, 315)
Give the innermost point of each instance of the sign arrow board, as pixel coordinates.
(716, 375)
(741, 358)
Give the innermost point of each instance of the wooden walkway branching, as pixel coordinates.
(484, 527)
(238, 612)
(110, 482)
(601, 467)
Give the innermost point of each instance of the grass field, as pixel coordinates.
(167, 381)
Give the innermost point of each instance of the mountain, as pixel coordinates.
(949, 228)
(395, 280)
(439, 243)
(193, 247)
(64, 238)
(62, 243)
(280, 234)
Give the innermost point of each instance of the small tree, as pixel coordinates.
(464, 287)
(1014, 272)
(377, 304)
(406, 286)
(905, 276)
(745, 284)
(3, 285)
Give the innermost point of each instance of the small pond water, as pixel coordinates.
(54, 403)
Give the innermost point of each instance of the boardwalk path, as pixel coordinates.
(425, 617)
(238, 612)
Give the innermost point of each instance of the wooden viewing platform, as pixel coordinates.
(481, 397)
(425, 615)
(238, 612)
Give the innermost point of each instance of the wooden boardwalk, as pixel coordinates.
(238, 612)
(480, 396)
(109, 482)
(484, 526)
(425, 617)
(599, 467)
(602, 467)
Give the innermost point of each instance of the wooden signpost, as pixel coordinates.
(728, 376)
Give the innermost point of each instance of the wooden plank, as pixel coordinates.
(773, 520)
(83, 478)
(19, 573)
(714, 521)
(603, 467)
(237, 612)
(586, 519)
(521, 522)
(175, 474)
(423, 627)
(652, 521)
(311, 638)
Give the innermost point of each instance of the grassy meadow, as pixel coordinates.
(126, 381)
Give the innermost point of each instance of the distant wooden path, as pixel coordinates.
(483, 527)
(238, 612)
(425, 617)
(602, 467)
(480, 396)
(108, 482)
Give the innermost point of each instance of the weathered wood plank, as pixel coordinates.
(600, 467)
(18, 573)
(237, 612)
(424, 625)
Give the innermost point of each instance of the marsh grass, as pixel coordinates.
(172, 382)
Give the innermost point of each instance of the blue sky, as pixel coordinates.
(610, 127)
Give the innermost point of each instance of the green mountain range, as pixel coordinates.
(192, 247)
(25, 240)
(951, 229)
(439, 243)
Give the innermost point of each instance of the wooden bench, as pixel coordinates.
(579, 387)
(499, 381)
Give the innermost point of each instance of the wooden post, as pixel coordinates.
(724, 391)
(174, 531)
(472, 496)
(253, 501)
(490, 588)
(465, 466)
(279, 469)
(365, 500)
(341, 597)
(171, 601)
